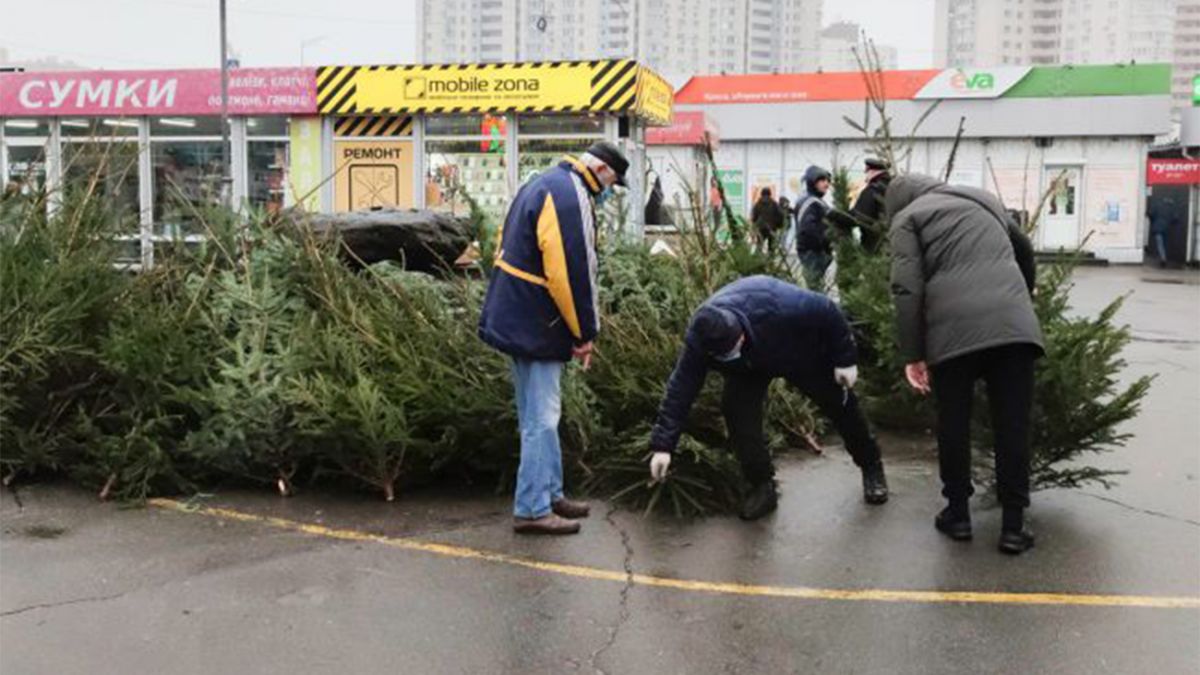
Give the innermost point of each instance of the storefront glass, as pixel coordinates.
(539, 154)
(560, 125)
(23, 127)
(187, 182)
(459, 168)
(104, 169)
(26, 169)
(267, 162)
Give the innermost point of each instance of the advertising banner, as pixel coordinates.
(703, 89)
(1172, 171)
(252, 91)
(973, 82)
(304, 159)
(687, 128)
(550, 86)
(373, 174)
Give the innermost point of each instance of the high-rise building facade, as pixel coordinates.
(839, 43)
(1043, 32)
(1187, 51)
(678, 38)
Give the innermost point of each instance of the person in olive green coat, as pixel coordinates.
(962, 280)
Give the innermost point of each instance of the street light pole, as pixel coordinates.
(226, 163)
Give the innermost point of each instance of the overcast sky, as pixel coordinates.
(184, 33)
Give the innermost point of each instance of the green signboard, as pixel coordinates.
(1127, 80)
(734, 183)
(1196, 90)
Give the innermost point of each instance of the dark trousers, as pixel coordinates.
(743, 403)
(1007, 371)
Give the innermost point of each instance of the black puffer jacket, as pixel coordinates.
(962, 271)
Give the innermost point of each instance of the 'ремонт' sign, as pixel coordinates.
(252, 91)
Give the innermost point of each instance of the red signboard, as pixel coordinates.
(848, 86)
(688, 128)
(252, 91)
(1161, 171)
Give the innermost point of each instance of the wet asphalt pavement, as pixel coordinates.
(88, 588)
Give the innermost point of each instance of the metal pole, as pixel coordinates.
(226, 165)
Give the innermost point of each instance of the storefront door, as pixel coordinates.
(1060, 218)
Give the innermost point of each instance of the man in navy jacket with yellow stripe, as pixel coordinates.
(752, 331)
(541, 309)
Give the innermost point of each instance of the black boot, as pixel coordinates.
(1015, 538)
(875, 487)
(954, 523)
(759, 501)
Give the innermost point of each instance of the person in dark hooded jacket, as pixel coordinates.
(812, 241)
(962, 278)
(768, 218)
(752, 331)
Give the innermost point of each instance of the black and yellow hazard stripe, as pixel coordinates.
(373, 126)
(336, 90)
(613, 85)
(613, 88)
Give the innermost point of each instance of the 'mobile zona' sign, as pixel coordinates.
(1172, 171)
(549, 86)
(252, 91)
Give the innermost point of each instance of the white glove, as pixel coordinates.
(659, 463)
(846, 376)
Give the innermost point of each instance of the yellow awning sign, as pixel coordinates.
(655, 97)
(617, 85)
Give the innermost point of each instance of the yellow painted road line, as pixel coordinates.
(727, 588)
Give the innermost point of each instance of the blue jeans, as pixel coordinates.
(539, 407)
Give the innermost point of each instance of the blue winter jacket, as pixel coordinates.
(541, 299)
(790, 332)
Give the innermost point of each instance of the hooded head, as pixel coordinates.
(812, 176)
(717, 330)
(904, 189)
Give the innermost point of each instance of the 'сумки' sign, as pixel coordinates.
(252, 91)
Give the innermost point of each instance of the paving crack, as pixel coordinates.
(51, 605)
(1138, 509)
(623, 613)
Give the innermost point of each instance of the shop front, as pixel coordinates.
(447, 137)
(149, 143)
(1079, 133)
(335, 138)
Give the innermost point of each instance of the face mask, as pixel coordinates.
(604, 195)
(731, 355)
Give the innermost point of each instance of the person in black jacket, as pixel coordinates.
(752, 331)
(768, 218)
(868, 207)
(962, 280)
(812, 241)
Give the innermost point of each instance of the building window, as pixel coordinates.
(185, 153)
(100, 157)
(25, 154)
(267, 162)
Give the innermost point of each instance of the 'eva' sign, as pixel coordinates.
(972, 82)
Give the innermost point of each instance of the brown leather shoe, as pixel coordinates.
(547, 524)
(569, 508)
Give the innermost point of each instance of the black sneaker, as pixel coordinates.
(875, 487)
(952, 525)
(759, 501)
(1015, 542)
